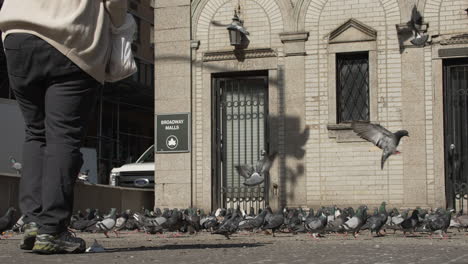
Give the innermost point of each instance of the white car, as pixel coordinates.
(137, 175)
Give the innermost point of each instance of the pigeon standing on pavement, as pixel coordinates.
(255, 175)
(376, 222)
(439, 221)
(253, 223)
(108, 223)
(273, 221)
(315, 224)
(354, 224)
(230, 226)
(381, 137)
(410, 224)
(6, 221)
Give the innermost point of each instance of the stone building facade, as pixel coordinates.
(297, 46)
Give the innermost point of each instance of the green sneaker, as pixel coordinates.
(60, 243)
(30, 233)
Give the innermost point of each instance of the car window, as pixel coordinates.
(148, 156)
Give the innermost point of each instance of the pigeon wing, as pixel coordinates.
(254, 180)
(244, 170)
(374, 133)
(267, 163)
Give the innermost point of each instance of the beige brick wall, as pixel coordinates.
(341, 173)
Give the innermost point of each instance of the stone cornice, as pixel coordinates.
(459, 39)
(294, 36)
(236, 54)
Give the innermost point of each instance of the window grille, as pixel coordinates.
(352, 84)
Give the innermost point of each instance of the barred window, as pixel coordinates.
(352, 86)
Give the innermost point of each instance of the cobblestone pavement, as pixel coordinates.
(257, 248)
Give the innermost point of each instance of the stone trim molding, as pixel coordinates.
(235, 54)
(294, 36)
(369, 33)
(294, 43)
(459, 39)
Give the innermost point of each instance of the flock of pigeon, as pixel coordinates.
(226, 222)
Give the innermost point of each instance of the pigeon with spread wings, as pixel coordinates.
(255, 175)
(381, 137)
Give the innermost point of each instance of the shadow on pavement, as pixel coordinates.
(187, 246)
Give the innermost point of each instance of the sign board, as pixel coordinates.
(173, 133)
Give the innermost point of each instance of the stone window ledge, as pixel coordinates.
(343, 133)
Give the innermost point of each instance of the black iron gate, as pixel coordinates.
(456, 131)
(240, 118)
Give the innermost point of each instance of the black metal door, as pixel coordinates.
(241, 133)
(456, 131)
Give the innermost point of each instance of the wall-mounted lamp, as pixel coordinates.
(236, 31)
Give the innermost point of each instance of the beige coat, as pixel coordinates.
(80, 29)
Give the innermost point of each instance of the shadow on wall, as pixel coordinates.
(288, 136)
(294, 141)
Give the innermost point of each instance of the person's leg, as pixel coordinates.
(29, 89)
(69, 101)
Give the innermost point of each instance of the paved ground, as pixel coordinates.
(258, 248)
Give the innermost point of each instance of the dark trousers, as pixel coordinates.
(56, 99)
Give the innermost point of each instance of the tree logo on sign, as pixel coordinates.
(172, 142)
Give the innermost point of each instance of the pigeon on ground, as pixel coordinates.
(354, 224)
(410, 224)
(6, 221)
(376, 222)
(315, 224)
(255, 175)
(461, 220)
(295, 222)
(253, 223)
(414, 24)
(230, 226)
(439, 221)
(192, 220)
(107, 224)
(151, 225)
(95, 248)
(18, 226)
(381, 137)
(209, 222)
(122, 220)
(16, 165)
(274, 221)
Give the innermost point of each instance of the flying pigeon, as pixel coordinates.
(236, 24)
(381, 137)
(16, 165)
(414, 23)
(255, 175)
